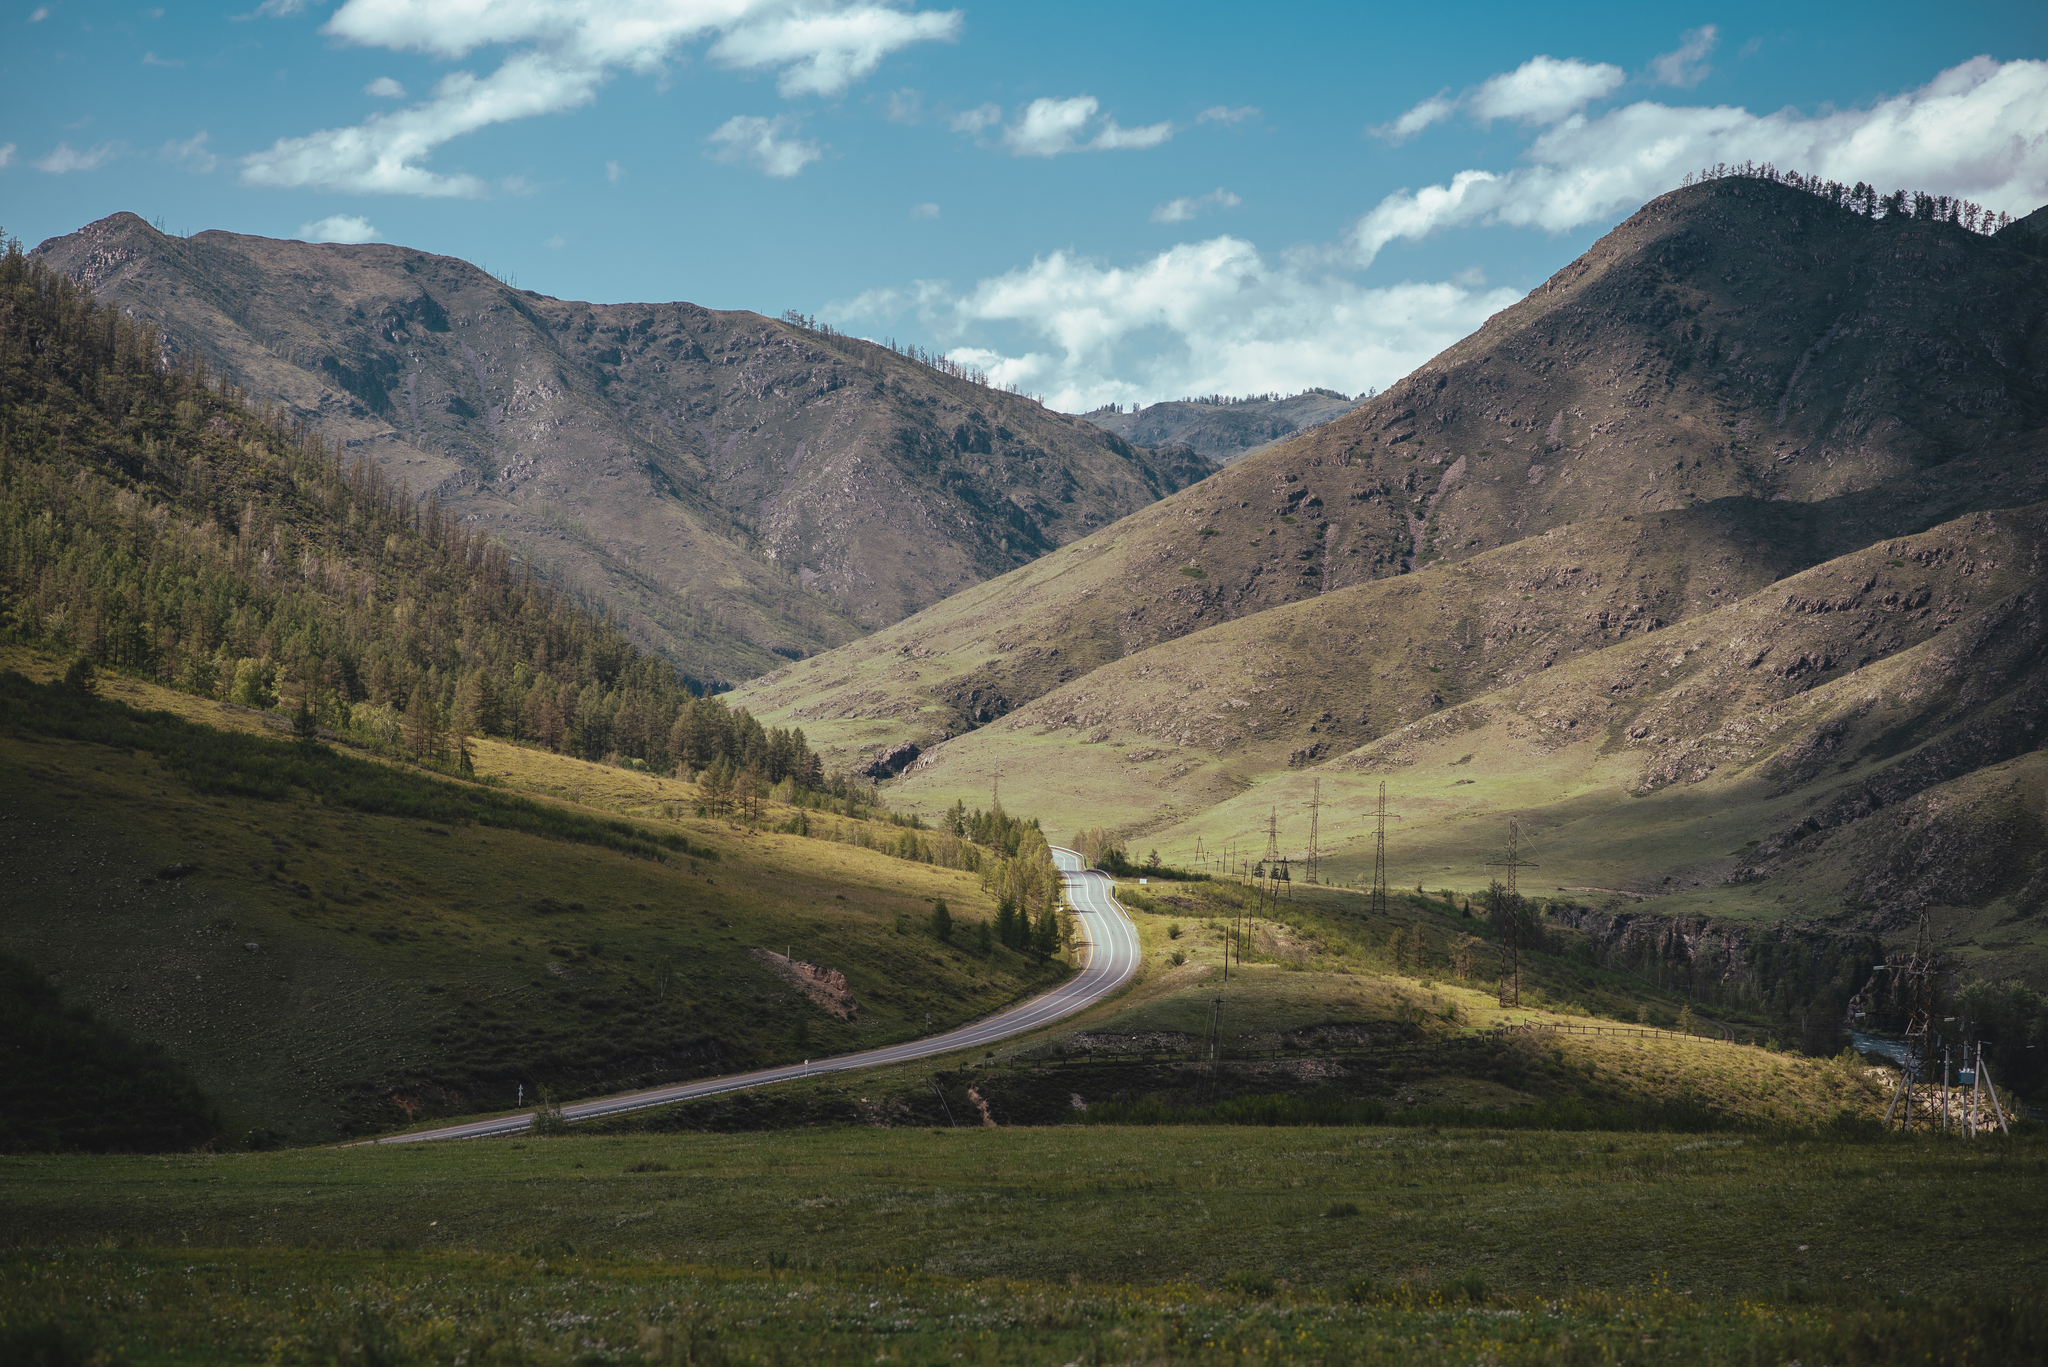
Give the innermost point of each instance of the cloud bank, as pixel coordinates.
(1220, 316)
(564, 50)
(1230, 320)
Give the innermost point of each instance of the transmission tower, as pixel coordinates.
(1915, 987)
(1379, 854)
(1315, 828)
(1511, 932)
(1276, 862)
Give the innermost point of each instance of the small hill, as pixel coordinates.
(1223, 429)
(742, 491)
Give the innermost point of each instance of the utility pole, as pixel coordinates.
(1511, 933)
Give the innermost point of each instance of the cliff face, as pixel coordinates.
(743, 490)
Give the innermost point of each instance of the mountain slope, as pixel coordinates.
(1845, 747)
(1224, 430)
(740, 490)
(1739, 340)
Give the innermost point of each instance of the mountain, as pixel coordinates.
(1223, 429)
(741, 491)
(1718, 561)
(1740, 343)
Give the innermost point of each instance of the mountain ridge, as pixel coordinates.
(743, 490)
(1888, 417)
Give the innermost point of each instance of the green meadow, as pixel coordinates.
(1053, 1244)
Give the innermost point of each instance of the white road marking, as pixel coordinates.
(1112, 955)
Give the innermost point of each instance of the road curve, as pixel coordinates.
(1110, 944)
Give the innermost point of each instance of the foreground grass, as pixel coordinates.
(989, 1245)
(1725, 1215)
(245, 1307)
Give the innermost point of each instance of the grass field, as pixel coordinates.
(1012, 1245)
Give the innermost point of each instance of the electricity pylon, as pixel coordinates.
(1511, 933)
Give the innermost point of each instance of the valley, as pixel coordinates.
(429, 710)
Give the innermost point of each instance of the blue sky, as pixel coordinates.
(1097, 203)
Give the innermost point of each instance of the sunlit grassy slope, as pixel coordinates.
(324, 971)
(1875, 703)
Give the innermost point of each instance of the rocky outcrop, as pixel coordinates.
(826, 987)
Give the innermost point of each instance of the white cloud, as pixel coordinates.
(924, 211)
(1686, 66)
(41, 13)
(1435, 109)
(974, 120)
(383, 153)
(1540, 90)
(823, 51)
(1229, 320)
(1218, 113)
(564, 50)
(1978, 130)
(1185, 208)
(62, 158)
(385, 88)
(612, 172)
(349, 228)
(151, 59)
(6, 154)
(556, 243)
(1543, 90)
(747, 137)
(191, 153)
(903, 106)
(1048, 127)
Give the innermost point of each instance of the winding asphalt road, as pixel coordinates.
(1111, 945)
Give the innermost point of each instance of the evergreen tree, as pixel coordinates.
(942, 922)
(1045, 938)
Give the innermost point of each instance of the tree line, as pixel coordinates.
(1864, 199)
(151, 521)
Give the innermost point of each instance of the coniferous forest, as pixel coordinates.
(152, 521)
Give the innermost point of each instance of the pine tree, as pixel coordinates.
(419, 723)
(1045, 939)
(1687, 1024)
(1006, 924)
(942, 922)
